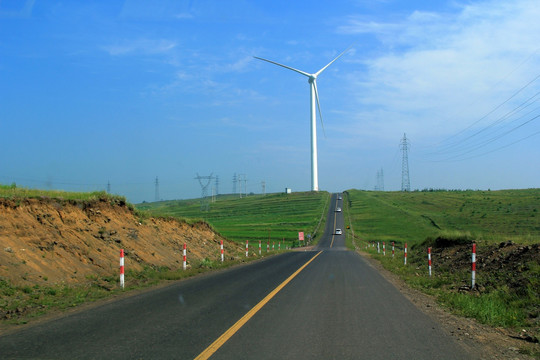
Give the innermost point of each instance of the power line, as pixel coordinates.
(485, 130)
(469, 146)
(493, 110)
(460, 158)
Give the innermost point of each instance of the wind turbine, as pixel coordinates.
(314, 98)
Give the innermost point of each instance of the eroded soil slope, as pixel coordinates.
(56, 241)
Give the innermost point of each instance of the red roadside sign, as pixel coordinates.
(301, 236)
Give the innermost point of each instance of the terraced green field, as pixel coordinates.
(276, 217)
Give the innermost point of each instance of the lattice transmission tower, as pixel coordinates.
(205, 206)
(242, 179)
(156, 190)
(405, 182)
(380, 180)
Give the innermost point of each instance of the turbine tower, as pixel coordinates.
(314, 102)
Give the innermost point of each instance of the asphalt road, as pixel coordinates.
(337, 307)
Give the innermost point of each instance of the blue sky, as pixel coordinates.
(93, 92)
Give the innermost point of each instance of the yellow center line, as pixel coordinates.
(209, 351)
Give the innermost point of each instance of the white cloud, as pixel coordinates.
(184, 16)
(140, 46)
(16, 9)
(440, 72)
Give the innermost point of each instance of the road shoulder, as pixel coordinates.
(481, 341)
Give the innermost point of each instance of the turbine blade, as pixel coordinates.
(285, 66)
(319, 105)
(331, 62)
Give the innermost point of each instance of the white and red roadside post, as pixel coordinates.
(279, 246)
(473, 273)
(268, 246)
(247, 248)
(392, 249)
(221, 248)
(122, 268)
(429, 259)
(405, 255)
(378, 248)
(259, 247)
(273, 245)
(184, 257)
(384, 248)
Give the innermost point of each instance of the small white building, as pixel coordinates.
(288, 191)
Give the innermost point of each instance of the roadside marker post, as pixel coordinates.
(384, 248)
(268, 246)
(429, 259)
(221, 250)
(273, 246)
(405, 255)
(259, 247)
(378, 248)
(122, 268)
(247, 248)
(392, 249)
(184, 257)
(473, 273)
(279, 246)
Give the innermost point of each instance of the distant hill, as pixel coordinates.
(271, 217)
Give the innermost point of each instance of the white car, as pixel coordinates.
(339, 198)
(338, 209)
(338, 232)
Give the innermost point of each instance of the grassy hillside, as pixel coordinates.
(14, 192)
(256, 217)
(414, 216)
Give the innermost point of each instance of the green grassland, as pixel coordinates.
(271, 217)
(413, 216)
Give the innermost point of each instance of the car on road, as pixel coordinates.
(338, 209)
(339, 198)
(338, 232)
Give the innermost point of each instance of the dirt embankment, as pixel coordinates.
(48, 241)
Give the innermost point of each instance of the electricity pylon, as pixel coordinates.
(204, 190)
(405, 182)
